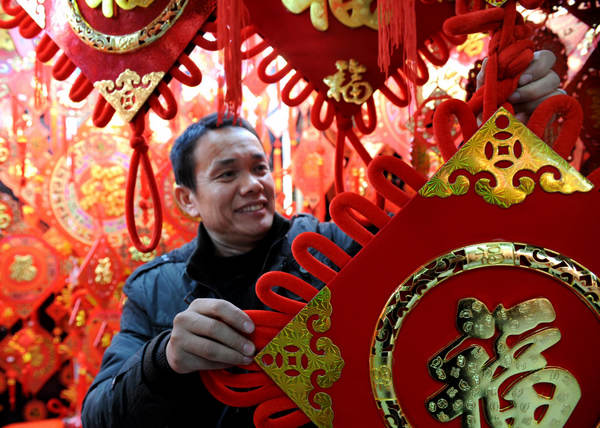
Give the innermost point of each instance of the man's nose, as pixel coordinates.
(250, 183)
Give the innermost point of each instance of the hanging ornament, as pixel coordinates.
(30, 271)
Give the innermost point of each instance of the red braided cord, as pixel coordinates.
(420, 74)
(46, 49)
(264, 64)
(28, 28)
(289, 86)
(342, 215)
(339, 160)
(358, 146)
(195, 75)
(63, 68)
(12, 23)
(315, 113)
(209, 45)
(103, 112)
(255, 50)
(399, 101)
(442, 125)
(81, 88)
(264, 414)
(140, 152)
(307, 240)
(169, 110)
(372, 117)
(11, 9)
(295, 285)
(440, 58)
(559, 105)
(376, 174)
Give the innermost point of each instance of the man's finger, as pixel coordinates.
(529, 107)
(215, 352)
(225, 311)
(481, 75)
(536, 89)
(218, 331)
(539, 67)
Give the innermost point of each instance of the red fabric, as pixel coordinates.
(401, 169)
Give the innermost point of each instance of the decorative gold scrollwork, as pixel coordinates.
(125, 42)
(290, 359)
(356, 90)
(470, 375)
(505, 159)
(22, 268)
(352, 13)
(129, 92)
(463, 372)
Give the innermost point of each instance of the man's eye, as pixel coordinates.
(227, 174)
(262, 168)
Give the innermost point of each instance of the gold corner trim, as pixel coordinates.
(36, 10)
(126, 42)
(505, 163)
(129, 92)
(408, 294)
(290, 360)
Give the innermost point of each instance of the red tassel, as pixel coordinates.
(397, 25)
(230, 20)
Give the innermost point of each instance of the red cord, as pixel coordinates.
(295, 285)
(307, 240)
(371, 115)
(315, 113)
(46, 49)
(402, 100)
(28, 28)
(438, 44)
(12, 23)
(442, 125)
(195, 75)
(103, 112)
(289, 86)
(81, 88)
(63, 68)
(140, 152)
(342, 215)
(376, 174)
(169, 110)
(263, 65)
(264, 415)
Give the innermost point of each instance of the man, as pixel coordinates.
(184, 311)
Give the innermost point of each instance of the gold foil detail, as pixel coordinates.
(505, 164)
(108, 7)
(496, 3)
(126, 42)
(290, 360)
(351, 13)
(129, 92)
(103, 271)
(137, 256)
(354, 90)
(36, 10)
(105, 187)
(477, 376)
(22, 268)
(5, 217)
(474, 319)
(4, 150)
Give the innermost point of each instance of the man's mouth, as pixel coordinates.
(252, 208)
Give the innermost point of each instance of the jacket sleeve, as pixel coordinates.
(135, 387)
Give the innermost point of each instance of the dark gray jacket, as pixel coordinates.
(135, 386)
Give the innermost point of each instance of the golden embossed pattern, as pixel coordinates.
(129, 92)
(103, 273)
(292, 357)
(126, 42)
(106, 188)
(108, 5)
(351, 13)
(353, 90)
(471, 375)
(5, 216)
(22, 268)
(505, 161)
(408, 294)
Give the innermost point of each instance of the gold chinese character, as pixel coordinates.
(476, 376)
(352, 13)
(355, 90)
(22, 269)
(108, 7)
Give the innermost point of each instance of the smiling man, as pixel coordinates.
(184, 311)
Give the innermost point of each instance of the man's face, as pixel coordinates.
(235, 192)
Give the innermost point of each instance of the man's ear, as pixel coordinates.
(186, 201)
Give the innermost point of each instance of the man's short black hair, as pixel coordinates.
(182, 152)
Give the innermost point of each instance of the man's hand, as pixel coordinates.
(208, 336)
(537, 83)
